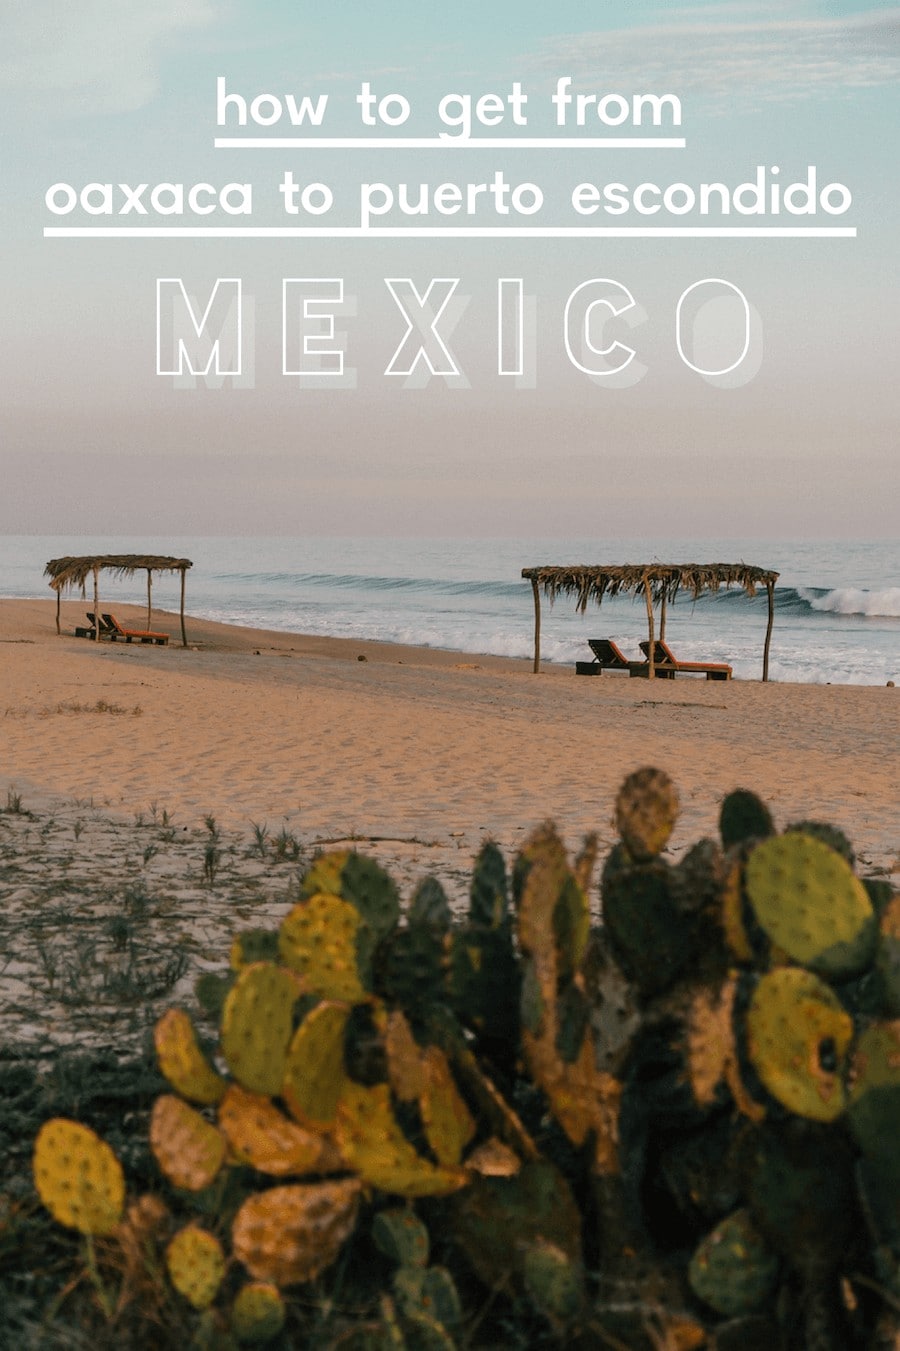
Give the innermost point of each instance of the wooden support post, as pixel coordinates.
(58, 629)
(648, 597)
(183, 634)
(771, 594)
(96, 602)
(537, 625)
(149, 597)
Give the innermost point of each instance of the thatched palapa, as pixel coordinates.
(66, 573)
(658, 582)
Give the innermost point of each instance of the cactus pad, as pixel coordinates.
(314, 1068)
(797, 1037)
(732, 1270)
(406, 1072)
(489, 890)
(744, 816)
(373, 1144)
(874, 1106)
(319, 940)
(809, 903)
(196, 1265)
(401, 1236)
(290, 1234)
(552, 1280)
(259, 1134)
(182, 1062)
(78, 1177)
(711, 1052)
(646, 812)
(428, 1290)
(257, 1023)
(258, 1313)
(253, 945)
(449, 1125)
(187, 1147)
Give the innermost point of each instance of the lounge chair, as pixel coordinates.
(608, 656)
(667, 664)
(106, 629)
(116, 630)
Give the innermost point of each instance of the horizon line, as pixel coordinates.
(449, 232)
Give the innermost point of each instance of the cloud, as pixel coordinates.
(769, 58)
(93, 55)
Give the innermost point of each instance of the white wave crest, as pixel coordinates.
(851, 600)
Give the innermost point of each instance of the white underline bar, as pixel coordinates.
(450, 143)
(448, 232)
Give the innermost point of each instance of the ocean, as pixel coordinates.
(837, 616)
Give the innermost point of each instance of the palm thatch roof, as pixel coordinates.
(73, 571)
(658, 582)
(665, 580)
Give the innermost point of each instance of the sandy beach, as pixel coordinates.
(113, 756)
(341, 738)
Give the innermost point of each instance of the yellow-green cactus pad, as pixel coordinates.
(258, 1313)
(646, 812)
(290, 1234)
(406, 1072)
(324, 875)
(187, 1147)
(810, 904)
(373, 1144)
(182, 1062)
(78, 1177)
(318, 939)
(261, 1135)
(314, 1068)
(196, 1265)
(798, 1036)
(449, 1125)
(257, 1024)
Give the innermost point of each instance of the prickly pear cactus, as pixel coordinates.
(732, 1270)
(257, 1023)
(182, 1062)
(189, 1149)
(401, 1236)
(78, 1177)
(373, 1144)
(314, 1066)
(196, 1265)
(646, 812)
(808, 904)
(797, 1037)
(553, 923)
(320, 940)
(744, 816)
(290, 1234)
(258, 1313)
(262, 1136)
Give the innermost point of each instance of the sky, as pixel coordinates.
(761, 396)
